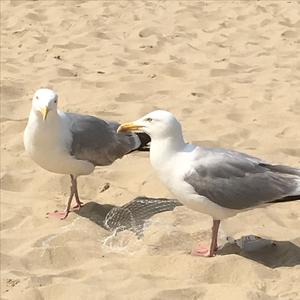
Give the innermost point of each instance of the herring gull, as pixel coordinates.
(74, 144)
(214, 181)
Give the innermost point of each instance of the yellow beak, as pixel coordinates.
(44, 112)
(129, 127)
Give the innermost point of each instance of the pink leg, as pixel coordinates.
(209, 251)
(63, 214)
(78, 202)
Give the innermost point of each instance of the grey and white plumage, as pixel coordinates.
(228, 178)
(69, 143)
(214, 181)
(96, 140)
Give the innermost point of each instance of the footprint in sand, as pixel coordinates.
(290, 34)
(291, 151)
(221, 72)
(16, 3)
(38, 57)
(146, 32)
(124, 97)
(15, 220)
(41, 38)
(295, 108)
(13, 183)
(120, 62)
(11, 91)
(171, 241)
(12, 127)
(164, 92)
(173, 70)
(66, 73)
(236, 117)
(187, 111)
(36, 17)
(100, 35)
(177, 294)
(70, 45)
(233, 138)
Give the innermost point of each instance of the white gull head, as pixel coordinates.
(44, 102)
(159, 124)
(165, 132)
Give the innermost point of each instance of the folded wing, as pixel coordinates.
(97, 141)
(239, 181)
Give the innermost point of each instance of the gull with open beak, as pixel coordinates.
(74, 144)
(214, 181)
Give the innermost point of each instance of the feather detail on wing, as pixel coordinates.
(97, 141)
(238, 181)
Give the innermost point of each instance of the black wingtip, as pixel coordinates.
(287, 199)
(145, 140)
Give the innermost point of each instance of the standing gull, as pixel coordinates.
(214, 181)
(74, 144)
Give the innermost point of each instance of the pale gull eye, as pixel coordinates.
(37, 97)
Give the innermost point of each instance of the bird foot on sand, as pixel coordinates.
(203, 251)
(78, 205)
(63, 214)
(58, 214)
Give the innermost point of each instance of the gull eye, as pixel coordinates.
(55, 101)
(37, 97)
(148, 120)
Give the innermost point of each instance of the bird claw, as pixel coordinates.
(63, 214)
(203, 251)
(58, 214)
(78, 205)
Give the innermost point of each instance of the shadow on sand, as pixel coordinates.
(130, 216)
(274, 255)
(133, 215)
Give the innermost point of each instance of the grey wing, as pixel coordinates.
(238, 181)
(97, 141)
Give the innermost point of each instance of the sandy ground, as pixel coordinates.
(228, 70)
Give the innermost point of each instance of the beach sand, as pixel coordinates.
(229, 70)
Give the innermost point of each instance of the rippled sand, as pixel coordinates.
(230, 72)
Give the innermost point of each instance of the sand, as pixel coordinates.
(229, 70)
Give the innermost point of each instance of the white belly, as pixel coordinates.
(49, 147)
(173, 178)
(189, 198)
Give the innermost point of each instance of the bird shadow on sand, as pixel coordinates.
(275, 254)
(130, 216)
(134, 214)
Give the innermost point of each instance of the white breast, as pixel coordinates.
(49, 142)
(172, 172)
